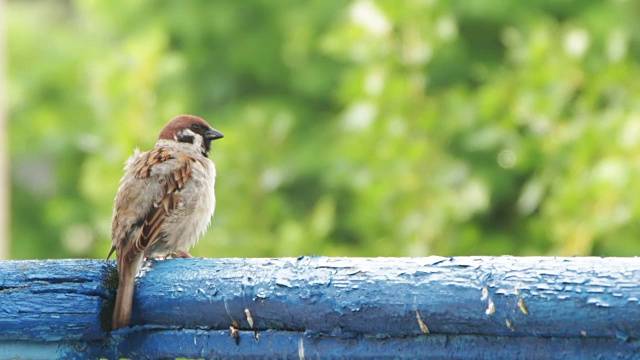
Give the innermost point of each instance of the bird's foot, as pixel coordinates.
(179, 254)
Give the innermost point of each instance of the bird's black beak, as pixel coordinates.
(213, 134)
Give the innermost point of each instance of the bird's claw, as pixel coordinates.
(179, 254)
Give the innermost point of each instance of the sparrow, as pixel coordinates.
(165, 202)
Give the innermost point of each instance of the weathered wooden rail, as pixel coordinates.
(319, 307)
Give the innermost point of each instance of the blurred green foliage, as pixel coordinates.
(357, 128)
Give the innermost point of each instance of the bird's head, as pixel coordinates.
(191, 129)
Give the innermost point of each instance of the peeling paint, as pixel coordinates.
(491, 308)
(593, 300)
(523, 307)
(421, 324)
(509, 325)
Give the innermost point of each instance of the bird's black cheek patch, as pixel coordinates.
(185, 138)
(206, 147)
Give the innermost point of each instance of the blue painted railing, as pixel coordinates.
(318, 307)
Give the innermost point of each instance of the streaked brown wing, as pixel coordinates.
(172, 183)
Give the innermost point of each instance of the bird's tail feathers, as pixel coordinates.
(124, 298)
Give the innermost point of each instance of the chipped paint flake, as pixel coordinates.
(485, 293)
(491, 308)
(523, 307)
(249, 317)
(509, 325)
(301, 349)
(421, 323)
(235, 334)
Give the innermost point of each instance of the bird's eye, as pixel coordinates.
(196, 127)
